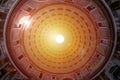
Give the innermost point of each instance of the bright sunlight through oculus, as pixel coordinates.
(59, 38)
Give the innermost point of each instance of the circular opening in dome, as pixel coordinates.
(59, 38)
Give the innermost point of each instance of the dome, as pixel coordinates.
(59, 39)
